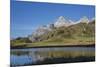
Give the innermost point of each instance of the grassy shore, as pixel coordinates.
(79, 41)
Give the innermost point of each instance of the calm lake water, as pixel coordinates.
(31, 57)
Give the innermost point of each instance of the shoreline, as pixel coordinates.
(23, 47)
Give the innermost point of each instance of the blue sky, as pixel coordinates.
(27, 16)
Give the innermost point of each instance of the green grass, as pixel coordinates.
(57, 41)
(64, 41)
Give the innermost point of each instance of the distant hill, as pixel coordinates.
(77, 30)
(79, 33)
(61, 24)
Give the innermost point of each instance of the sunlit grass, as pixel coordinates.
(64, 41)
(58, 41)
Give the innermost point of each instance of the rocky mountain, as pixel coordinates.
(40, 31)
(77, 30)
(61, 21)
(83, 20)
(63, 32)
(63, 24)
(92, 20)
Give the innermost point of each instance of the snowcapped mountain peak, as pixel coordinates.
(61, 21)
(84, 20)
(61, 18)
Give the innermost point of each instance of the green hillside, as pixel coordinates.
(78, 34)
